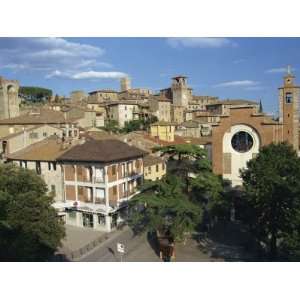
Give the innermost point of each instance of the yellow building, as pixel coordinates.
(163, 131)
(154, 168)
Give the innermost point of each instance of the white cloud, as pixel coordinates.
(87, 75)
(57, 57)
(198, 42)
(96, 75)
(238, 83)
(279, 70)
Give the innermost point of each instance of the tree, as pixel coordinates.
(30, 229)
(33, 93)
(163, 204)
(132, 125)
(141, 124)
(183, 159)
(272, 195)
(111, 126)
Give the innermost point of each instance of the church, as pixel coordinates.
(239, 135)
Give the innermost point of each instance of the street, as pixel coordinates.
(139, 249)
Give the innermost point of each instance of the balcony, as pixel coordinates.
(98, 179)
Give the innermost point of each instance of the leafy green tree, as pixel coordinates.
(30, 229)
(141, 124)
(163, 204)
(184, 160)
(272, 190)
(111, 126)
(133, 125)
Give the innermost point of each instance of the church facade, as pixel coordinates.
(239, 135)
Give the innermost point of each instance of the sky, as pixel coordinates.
(236, 68)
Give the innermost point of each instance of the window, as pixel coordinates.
(101, 220)
(242, 142)
(33, 135)
(100, 196)
(114, 190)
(113, 170)
(4, 145)
(149, 170)
(49, 166)
(38, 168)
(99, 174)
(53, 190)
(163, 166)
(157, 168)
(54, 166)
(288, 97)
(80, 190)
(45, 134)
(137, 164)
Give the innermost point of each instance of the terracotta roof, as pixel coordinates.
(180, 140)
(103, 91)
(9, 136)
(40, 116)
(150, 160)
(124, 102)
(46, 150)
(160, 98)
(234, 102)
(190, 124)
(102, 151)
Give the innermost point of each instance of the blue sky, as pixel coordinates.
(248, 68)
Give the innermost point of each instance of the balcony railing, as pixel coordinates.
(99, 179)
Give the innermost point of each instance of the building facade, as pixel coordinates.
(99, 178)
(239, 135)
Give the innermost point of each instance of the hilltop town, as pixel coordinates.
(95, 150)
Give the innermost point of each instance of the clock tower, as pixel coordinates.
(289, 109)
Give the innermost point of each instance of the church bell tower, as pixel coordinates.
(289, 109)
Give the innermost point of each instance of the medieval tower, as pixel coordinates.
(9, 98)
(125, 84)
(180, 91)
(289, 109)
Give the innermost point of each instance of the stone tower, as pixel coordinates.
(125, 84)
(180, 91)
(9, 98)
(289, 109)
